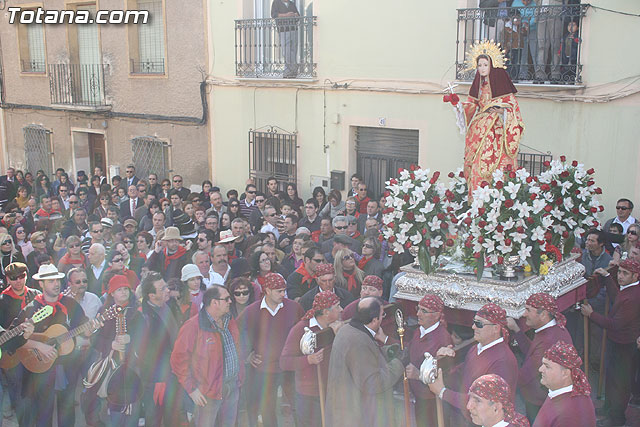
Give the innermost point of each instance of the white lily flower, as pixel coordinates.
(416, 238)
(436, 242)
(398, 248)
(405, 174)
(434, 224)
(498, 175)
(568, 203)
(427, 208)
(524, 252)
(512, 188)
(421, 174)
(537, 234)
(420, 218)
(489, 246)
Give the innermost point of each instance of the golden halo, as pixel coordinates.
(485, 47)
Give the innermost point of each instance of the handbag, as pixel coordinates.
(99, 373)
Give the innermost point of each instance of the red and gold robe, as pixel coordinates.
(490, 143)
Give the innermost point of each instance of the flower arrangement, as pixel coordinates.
(419, 212)
(570, 192)
(507, 220)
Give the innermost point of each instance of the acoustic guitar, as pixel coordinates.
(38, 316)
(59, 337)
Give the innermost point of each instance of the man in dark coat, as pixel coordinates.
(360, 384)
(326, 278)
(169, 256)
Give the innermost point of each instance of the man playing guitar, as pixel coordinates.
(38, 387)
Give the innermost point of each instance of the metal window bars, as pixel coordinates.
(150, 155)
(77, 84)
(272, 152)
(32, 66)
(147, 67)
(37, 148)
(533, 162)
(275, 48)
(542, 43)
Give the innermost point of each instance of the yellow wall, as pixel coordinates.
(396, 61)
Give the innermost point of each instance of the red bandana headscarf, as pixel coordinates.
(495, 314)
(56, 305)
(23, 298)
(566, 355)
(543, 301)
(321, 301)
(373, 281)
(495, 389)
(433, 303)
(630, 265)
(274, 281)
(322, 269)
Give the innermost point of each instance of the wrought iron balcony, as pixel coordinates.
(77, 84)
(275, 48)
(542, 43)
(147, 67)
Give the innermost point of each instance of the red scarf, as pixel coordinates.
(168, 258)
(363, 261)
(55, 305)
(10, 292)
(66, 259)
(306, 277)
(355, 235)
(351, 281)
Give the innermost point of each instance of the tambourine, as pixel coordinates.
(308, 342)
(429, 369)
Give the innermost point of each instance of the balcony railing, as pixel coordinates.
(147, 67)
(542, 43)
(77, 84)
(32, 66)
(275, 48)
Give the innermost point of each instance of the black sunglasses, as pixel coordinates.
(346, 257)
(340, 227)
(127, 242)
(6, 242)
(38, 241)
(241, 293)
(635, 233)
(77, 282)
(622, 208)
(481, 325)
(116, 260)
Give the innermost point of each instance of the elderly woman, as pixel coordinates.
(8, 253)
(335, 206)
(74, 256)
(348, 275)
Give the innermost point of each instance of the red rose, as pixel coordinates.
(444, 225)
(468, 244)
(499, 228)
(467, 220)
(477, 255)
(546, 163)
(449, 209)
(413, 167)
(427, 242)
(591, 171)
(548, 235)
(577, 192)
(451, 175)
(387, 193)
(410, 216)
(590, 182)
(461, 174)
(392, 239)
(454, 219)
(406, 197)
(380, 238)
(499, 185)
(507, 242)
(436, 200)
(598, 190)
(565, 234)
(601, 208)
(559, 201)
(529, 179)
(509, 167)
(455, 99)
(575, 211)
(484, 184)
(508, 203)
(563, 158)
(446, 98)
(393, 181)
(400, 170)
(480, 239)
(512, 174)
(391, 225)
(533, 196)
(574, 163)
(545, 187)
(500, 260)
(520, 229)
(596, 223)
(482, 224)
(412, 176)
(407, 245)
(440, 216)
(594, 209)
(424, 231)
(548, 208)
(529, 220)
(481, 211)
(449, 242)
(554, 183)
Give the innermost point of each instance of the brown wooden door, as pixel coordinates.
(97, 152)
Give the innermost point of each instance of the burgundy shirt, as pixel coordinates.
(498, 360)
(267, 334)
(566, 411)
(429, 343)
(292, 359)
(623, 321)
(529, 377)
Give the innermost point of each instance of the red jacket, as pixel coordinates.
(197, 359)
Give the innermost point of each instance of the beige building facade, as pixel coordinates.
(79, 96)
(368, 94)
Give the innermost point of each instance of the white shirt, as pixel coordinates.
(558, 392)
(90, 305)
(502, 423)
(622, 288)
(263, 304)
(491, 344)
(625, 225)
(371, 331)
(549, 324)
(215, 278)
(314, 322)
(97, 271)
(268, 227)
(431, 328)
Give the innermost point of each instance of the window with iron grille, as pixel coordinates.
(37, 149)
(32, 52)
(150, 155)
(148, 57)
(272, 152)
(533, 162)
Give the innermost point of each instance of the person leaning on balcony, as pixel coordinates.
(288, 34)
(549, 40)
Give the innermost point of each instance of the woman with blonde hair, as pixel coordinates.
(348, 275)
(8, 253)
(74, 258)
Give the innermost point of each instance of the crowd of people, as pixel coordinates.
(189, 308)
